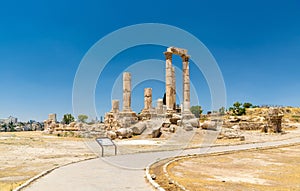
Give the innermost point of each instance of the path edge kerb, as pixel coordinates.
(44, 173)
(174, 159)
(150, 180)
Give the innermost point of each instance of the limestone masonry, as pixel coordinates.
(148, 112)
(164, 116)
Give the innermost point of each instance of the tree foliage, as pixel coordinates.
(222, 110)
(237, 109)
(5, 127)
(196, 110)
(240, 108)
(68, 118)
(82, 118)
(11, 126)
(247, 105)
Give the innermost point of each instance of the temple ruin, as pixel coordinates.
(128, 117)
(170, 82)
(164, 116)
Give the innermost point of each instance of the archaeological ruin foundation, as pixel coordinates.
(127, 117)
(164, 113)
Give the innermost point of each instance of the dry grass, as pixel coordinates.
(272, 169)
(27, 154)
(290, 113)
(162, 180)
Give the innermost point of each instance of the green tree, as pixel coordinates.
(237, 104)
(5, 127)
(196, 110)
(222, 110)
(82, 118)
(237, 109)
(68, 118)
(247, 105)
(11, 126)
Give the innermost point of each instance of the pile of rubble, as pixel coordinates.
(231, 133)
(153, 128)
(77, 129)
(270, 122)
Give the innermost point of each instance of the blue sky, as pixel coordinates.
(256, 44)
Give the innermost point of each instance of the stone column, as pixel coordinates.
(186, 83)
(126, 92)
(173, 88)
(159, 106)
(169, 97)
(115, 106)
(147, 99)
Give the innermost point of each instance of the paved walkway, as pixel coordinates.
(123, 172)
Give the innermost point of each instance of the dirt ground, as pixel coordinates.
(27, 154)
(269, 169)
(182, 139)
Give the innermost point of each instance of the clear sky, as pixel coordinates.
(256, 44)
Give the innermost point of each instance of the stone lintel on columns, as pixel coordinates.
(178, 51)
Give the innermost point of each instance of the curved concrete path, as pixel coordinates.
(123, 172)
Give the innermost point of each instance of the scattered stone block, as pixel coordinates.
(188, 127)
(172, 129)
(139, 128)
(153, 176)
(156, 132)
(233, 119)
(124, 132)
(112, 135)
(194, 122)
(236, 127)
(179, 123)
(209, 125)
(72, 124)
(174, 120)
(166, 125)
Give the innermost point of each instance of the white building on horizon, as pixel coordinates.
(10, 119)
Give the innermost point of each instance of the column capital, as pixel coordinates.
(168, 55)
(185, 58)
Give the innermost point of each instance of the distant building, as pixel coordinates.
(10, 119)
